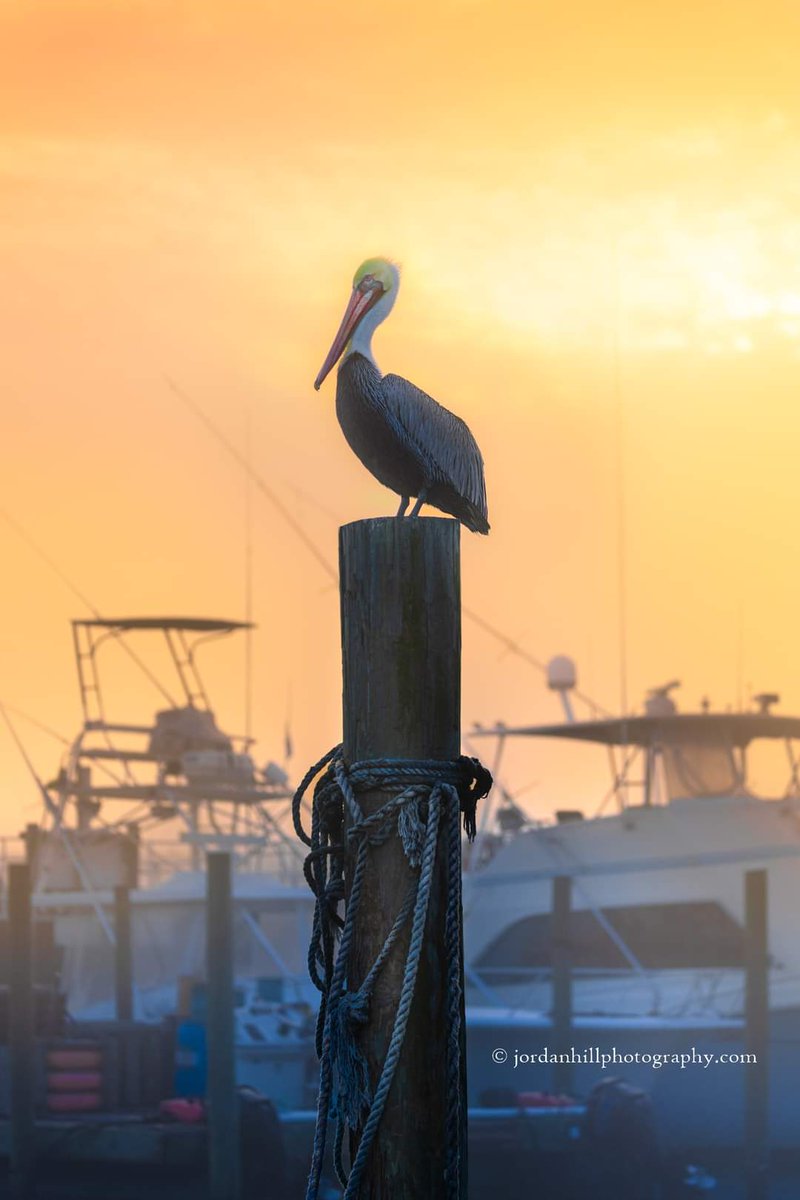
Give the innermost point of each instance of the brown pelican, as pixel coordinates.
(411, 444)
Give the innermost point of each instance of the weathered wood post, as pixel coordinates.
(21, 1045)
(223, 1116)
(123, 954)
(562, 981)
(401, 659)
(756, 1034)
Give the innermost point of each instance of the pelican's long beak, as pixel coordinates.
(359, 303)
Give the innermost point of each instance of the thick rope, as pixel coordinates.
(429, 794)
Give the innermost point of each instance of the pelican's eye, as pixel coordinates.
(369, 284)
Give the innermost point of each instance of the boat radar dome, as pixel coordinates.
(562, 675)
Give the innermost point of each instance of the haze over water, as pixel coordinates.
(595, 208)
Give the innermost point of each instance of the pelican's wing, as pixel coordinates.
(444, 443)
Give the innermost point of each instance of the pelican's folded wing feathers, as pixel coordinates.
(447, 450)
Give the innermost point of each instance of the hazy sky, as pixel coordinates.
(597, 210)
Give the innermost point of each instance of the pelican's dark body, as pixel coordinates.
(410, 443)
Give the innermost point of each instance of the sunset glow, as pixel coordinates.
(595, 209)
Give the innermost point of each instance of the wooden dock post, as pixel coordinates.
(224, 1171)
(401, 660)
(21, 1045)
(756, 1034)
(123, 954)
(562, 981)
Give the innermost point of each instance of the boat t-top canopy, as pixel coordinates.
(183, 637)
(733, 729)
(683, 754)
(182, 624)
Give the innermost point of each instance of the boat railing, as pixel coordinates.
(546, 972)
(543, 973)
(714, 991)
(160, 859)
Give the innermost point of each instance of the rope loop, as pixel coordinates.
(426, 800)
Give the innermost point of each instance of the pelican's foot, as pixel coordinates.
(421, 498)
(401, 512)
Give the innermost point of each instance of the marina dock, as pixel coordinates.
(201, 1078)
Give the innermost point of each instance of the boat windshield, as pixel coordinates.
(701, 767)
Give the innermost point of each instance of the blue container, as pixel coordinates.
(191, 1059)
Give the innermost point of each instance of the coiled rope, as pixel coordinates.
(429, 794)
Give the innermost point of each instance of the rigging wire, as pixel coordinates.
(265, 490)
(59, 737)
(80, 869)
(23, 534)
(514, 648)
(243, 460)
(617, 777)
(53, 733)
(33, 545)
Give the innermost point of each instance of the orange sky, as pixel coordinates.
(187, 189)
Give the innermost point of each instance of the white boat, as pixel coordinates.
(656, 937)
(657, 894)
(137, 805)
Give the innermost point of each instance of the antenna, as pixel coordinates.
(740, 658)
(621, 486)
(248, 579)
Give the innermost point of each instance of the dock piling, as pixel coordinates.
(21, 1031)
(756, 1034)
(223, 1112)
(401, 659)
(123, 954)
(562, 981)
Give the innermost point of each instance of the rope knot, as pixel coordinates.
(422, 796)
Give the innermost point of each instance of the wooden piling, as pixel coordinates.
(123, 954)
(756, 1034)
(562, 981)
(21, 1045)
(401, 659)
(32, 836)
(224, 1173)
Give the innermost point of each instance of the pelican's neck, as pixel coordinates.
(361, 341)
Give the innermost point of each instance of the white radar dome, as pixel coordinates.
(562, 674)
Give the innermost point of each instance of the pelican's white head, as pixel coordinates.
(375, 286)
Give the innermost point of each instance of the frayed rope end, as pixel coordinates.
(352, 1097)
(476, 782)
